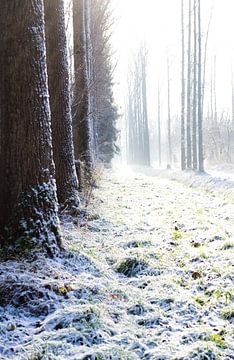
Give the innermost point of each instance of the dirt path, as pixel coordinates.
(151, 278)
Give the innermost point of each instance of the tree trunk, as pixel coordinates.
(200, 120)
(183, 159)
(232, 126)
(145, 114)
(211, 97)
(215, 96)
(81, 101)
(90, 75)
(232, 102)
(169, 115)
(130, 129)
(58, 74)
(204, 64)
(159, 130)
(189, 148)
(195, 88)
(28, 203)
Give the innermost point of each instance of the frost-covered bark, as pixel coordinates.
(28, 203)
(81, 102)
(58, 74)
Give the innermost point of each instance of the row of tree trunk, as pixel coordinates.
(192, 156)
(37, 152)
(192, 100)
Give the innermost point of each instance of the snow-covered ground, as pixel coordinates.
(150, 278)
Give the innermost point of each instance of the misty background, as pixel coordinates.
(158, 24)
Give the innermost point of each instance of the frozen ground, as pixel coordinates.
(150, 278)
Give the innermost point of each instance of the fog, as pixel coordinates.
(158, 24)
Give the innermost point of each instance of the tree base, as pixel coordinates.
(34, 224)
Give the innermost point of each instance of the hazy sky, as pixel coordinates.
(158, 22)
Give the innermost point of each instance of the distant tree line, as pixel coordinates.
(207, 137)
(192, 154)
(199, 133)
(138, 142)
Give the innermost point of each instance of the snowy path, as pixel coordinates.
(153, 277)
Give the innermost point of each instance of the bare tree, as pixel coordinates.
(183, 158)
(232, 101)
(232, 125)
(199, 85)
(169, 160)
(82, 129)
(194, 134)
(214, 92)
(189, 148)
(146, 145)
(138, 128)
(159, 129)
(205, 56)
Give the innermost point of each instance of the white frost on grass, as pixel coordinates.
(179, 305)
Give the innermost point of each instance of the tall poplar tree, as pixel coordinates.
(188, 127)
(28, 203)
(58, 73)
(169, 160)
(183, 158)
(104, 110)
(194, 128)
(159, 130)
(82, 129)
(199, 94)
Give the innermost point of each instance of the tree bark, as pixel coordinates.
(204, 63)
(58, 74)
(145, 112)
(183, 159)
(232, 102)
(159, 130)
(215, 95)
(81, 102)
(232, 126)
(189, 148)
(200, 120)
(28, 202)
(169, 115)
(194, 136)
